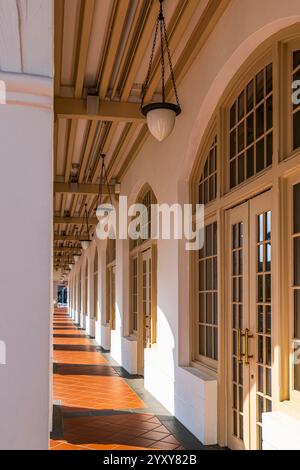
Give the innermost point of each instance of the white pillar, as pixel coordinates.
(26, 232)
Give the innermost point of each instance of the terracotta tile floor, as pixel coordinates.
(98, 408)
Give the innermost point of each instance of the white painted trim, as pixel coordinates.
(26, 90)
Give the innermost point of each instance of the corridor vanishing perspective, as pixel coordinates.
(95, 409)
(150, 198)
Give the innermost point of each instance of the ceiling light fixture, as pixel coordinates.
(161, 115)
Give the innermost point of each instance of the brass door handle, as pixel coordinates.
(246, 355)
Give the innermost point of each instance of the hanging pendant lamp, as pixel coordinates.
(161, 115)
(85, 239)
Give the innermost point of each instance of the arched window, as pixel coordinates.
(143, 282)
(111, 282)
(95, 306)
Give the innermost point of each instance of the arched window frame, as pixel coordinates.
(86, 287)
(95, 284)
(137, 247)
(278, 50)
(111, 282)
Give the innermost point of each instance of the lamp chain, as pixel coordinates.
(160, 24)
(145, 86)
(86, 217)
(103, 176)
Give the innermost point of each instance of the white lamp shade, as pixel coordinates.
(85, 244)
(161, 122)
(76, 258)
(70, 265)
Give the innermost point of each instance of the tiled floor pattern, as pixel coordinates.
(98, 409)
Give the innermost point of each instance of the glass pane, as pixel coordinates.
(260, 163)
(259, 86)
(209, 342)
(268, 351)
(250, 129)
(297, 314)
(297, 261)
(268, 257)
(260, 319)
(260, 408)
(215, 308)
(202, 340)
(260, 121)
(260, 379)
(202, 307)
(232, 143)
(232, 174)
(269, 81)
(235, 316)
(250, 96)
(296, 204)
(208, 240)
(250, 162)
(241, 135)
(232, 115)
(268, 288)
(215, 343)
(268, 319)
(241, 105)
(241, 168)
(260, 355)
(241, 399)
(269, 112)
(296, 130)
(268, 382)
(260, 258)
(269, 149)
(296, 59)
(209, 308)
(297, 370)
(260, 283)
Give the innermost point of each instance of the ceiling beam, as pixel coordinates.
(67, 249)
(206, 24)
(74, 220)
(81, 188)
(86, 27)
(118, 21)
(114, 111)
(58, 36)
(139, 47)
(64, 238)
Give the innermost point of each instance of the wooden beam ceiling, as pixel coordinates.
(123, 49)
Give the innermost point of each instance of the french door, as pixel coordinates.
(249, 320)
(145, 310)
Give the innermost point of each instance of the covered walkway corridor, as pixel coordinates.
(95, 406)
